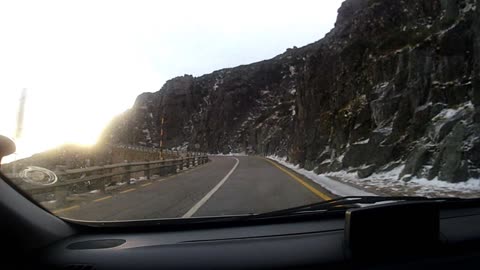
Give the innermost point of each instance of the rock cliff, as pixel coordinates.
(396, 82)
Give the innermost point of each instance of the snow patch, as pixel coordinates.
(388, 183)
(292, 71)
(362, 142)
(423, 107)
(181, 148)
(384, 130)
(326, 161)
(468, 186)
(218, 82)
(380, 87)
(469, 7)
(449, 113)
(292, 109)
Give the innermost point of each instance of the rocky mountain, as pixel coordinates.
(396, 82)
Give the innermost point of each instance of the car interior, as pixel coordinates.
(391, 233)
(358, 149)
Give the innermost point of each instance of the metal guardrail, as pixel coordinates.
(164, 151)
(142, 148)
(99, 177)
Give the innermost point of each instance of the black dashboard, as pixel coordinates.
(306, 244)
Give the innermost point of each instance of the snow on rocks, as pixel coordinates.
(388, 183)
(344, 183)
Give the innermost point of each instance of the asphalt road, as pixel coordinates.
(224, 186)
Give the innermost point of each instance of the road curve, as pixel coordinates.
(224, 186)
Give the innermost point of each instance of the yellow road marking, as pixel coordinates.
(102, 199)
(305, 184)
(65, 209)
(128, 190)
(147, 184)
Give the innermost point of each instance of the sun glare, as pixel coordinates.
(81, 69)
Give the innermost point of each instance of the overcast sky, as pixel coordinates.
(83, 62)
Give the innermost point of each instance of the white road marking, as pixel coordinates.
(200, 203)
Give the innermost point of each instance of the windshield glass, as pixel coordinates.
(117, 111)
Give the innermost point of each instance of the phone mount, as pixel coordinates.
(389, 230)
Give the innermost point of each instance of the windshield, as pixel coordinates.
(120, 111)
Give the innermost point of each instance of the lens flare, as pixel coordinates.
(38, 176)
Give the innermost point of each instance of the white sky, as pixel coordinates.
(83, 62)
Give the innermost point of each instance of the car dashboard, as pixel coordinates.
(301, 243)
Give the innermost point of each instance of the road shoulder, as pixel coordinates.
(330, 186)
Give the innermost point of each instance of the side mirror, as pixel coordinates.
(7, 147)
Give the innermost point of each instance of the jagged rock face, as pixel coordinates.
(248, 108)
(393, 82)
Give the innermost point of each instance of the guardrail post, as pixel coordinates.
(106, 180)
(148, 172)
(60, 196)
(164, 169)
(103, 184)
(172, 166)
(127, 174)
(180, 164)
(159, 171)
